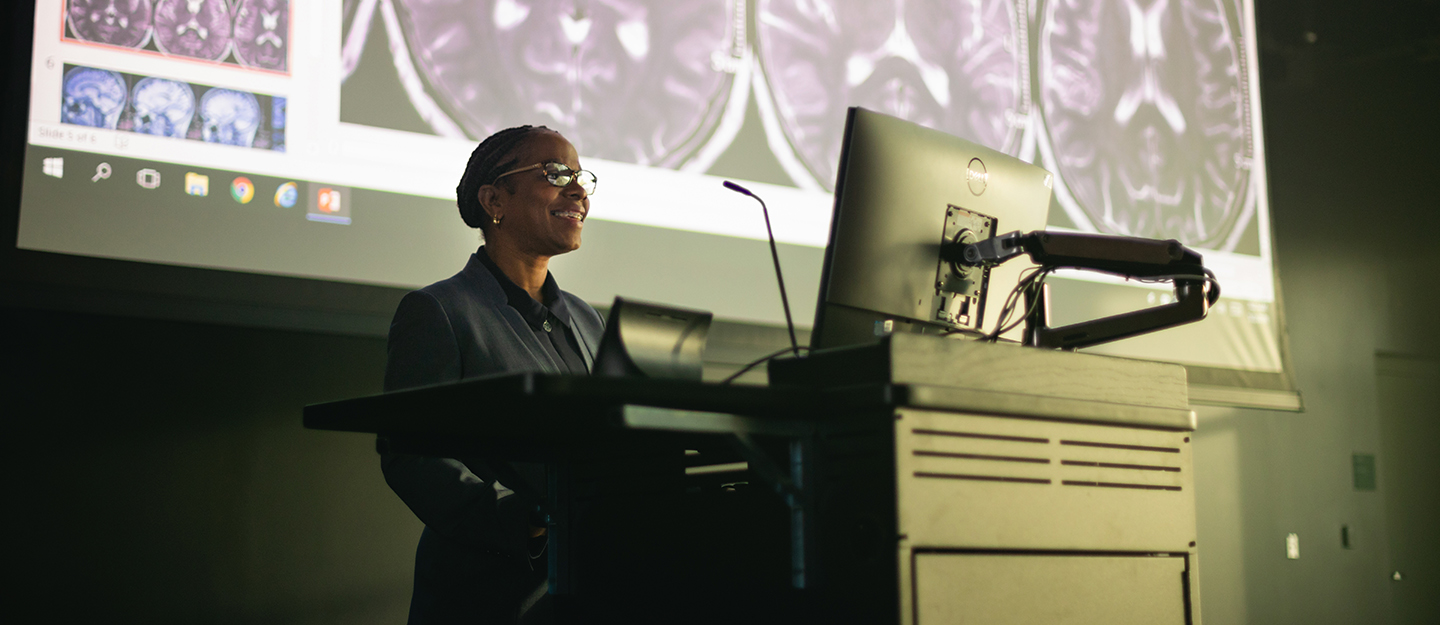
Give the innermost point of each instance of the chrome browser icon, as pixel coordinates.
(242, 190)
(287, 195)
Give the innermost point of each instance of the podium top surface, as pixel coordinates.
(970, 375)
(537, 414)
(937, 361)
(554, 397)
(546, 409)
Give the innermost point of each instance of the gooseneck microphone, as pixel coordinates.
(775, 254)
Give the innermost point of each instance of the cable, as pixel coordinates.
(766, 358)
(1036, 278)
(1015, 324)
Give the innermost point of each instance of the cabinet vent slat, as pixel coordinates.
(993, 437)
(1120, 485)
(951, 454)
(1118, 465)
(1168, 450)
(982, 478)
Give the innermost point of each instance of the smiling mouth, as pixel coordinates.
(574, 215)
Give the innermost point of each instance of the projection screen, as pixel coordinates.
(323, 139)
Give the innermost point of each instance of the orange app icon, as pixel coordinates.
(329, 200)
(329, 205)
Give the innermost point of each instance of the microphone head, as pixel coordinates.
(737, 188)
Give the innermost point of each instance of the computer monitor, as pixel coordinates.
(653, 341)
(902, 190)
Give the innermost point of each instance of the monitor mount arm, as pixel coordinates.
(1130, 257)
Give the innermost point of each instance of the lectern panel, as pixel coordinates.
(983, 482)
(1004, 589)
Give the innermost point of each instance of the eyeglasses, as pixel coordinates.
(560, 175)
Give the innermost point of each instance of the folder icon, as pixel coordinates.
(197, 184)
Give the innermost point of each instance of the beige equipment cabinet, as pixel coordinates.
(1019, 486)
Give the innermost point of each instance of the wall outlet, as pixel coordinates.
(1292, 546)
(1362, 467)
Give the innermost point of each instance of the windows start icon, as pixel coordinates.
(54, 167)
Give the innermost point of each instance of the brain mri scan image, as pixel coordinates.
(124, 23)
(354, 33)
(261, 29)
(277, 124)
(1145, 107)
(953, 65)
(194, 28)
(229, 117)
(92, 97)
(628, 80)
(162, 107)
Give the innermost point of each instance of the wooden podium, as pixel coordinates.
(919, 480)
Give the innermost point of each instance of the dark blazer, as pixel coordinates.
(474, 559)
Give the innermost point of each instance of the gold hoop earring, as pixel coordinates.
(496, 220)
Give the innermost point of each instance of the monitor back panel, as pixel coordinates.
(896, 181)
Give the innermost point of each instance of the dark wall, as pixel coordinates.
(161, 474)
(1354, 160)
(1350, 96)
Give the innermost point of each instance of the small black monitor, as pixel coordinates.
(644, 340)
(903, 190)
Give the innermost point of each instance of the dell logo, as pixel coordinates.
(976, 176)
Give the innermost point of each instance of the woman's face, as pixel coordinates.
(538, 218)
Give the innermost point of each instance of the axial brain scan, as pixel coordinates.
(162, 107)
(124, 23)
(194, 28)
(229, 117)
(627, 80)
(954, 65)
(92, 97)
(261, 28)
(1145, 108)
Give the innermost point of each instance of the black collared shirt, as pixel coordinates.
(550, 321)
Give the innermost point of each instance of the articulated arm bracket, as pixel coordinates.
(1129, 257)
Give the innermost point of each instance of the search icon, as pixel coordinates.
(101, 172)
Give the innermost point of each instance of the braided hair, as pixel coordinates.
(494, 156)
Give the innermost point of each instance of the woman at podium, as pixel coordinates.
(481, 555)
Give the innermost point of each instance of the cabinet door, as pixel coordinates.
(997, 589)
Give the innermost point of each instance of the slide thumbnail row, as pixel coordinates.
(102, 98)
